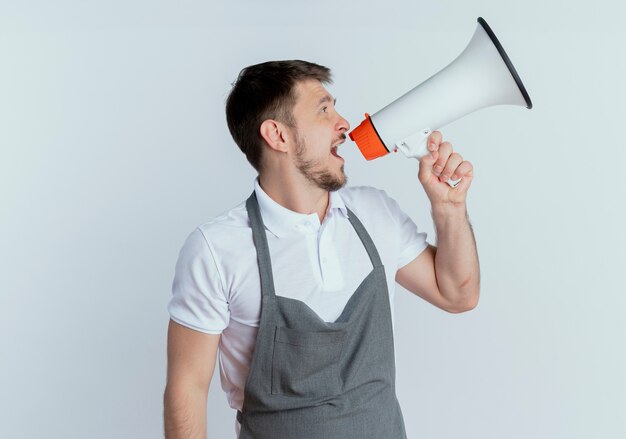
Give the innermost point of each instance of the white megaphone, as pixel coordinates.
(481, 76)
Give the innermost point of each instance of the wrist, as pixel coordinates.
(449, 209)
(449, 218)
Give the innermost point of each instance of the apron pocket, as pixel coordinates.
(306, 363)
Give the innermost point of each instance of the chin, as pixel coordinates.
(337, 182)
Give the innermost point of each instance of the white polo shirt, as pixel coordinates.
(216, 286)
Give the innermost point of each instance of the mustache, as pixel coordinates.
(342, 136)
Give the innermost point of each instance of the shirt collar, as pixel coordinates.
(280, 221)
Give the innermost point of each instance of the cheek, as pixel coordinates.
(318, 142)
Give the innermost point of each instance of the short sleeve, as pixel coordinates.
(412, 242)
(198, 298)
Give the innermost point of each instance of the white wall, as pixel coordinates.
(114, 146)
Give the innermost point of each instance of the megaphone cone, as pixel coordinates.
(481, 76)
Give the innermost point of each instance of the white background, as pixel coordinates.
(114, 146)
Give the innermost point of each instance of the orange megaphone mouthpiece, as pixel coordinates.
(367, 139)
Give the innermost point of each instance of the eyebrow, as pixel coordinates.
(327, 98)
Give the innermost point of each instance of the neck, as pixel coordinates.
(298, 196)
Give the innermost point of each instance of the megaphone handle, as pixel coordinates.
(415, 146)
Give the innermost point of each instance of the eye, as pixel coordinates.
(324, 109)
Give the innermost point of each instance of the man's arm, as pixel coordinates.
(448, 276)
(191, 359)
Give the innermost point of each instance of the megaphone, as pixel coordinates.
(481, 76)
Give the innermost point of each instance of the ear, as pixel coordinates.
(275, 135)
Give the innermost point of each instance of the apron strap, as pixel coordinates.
(262, 248)
(365, 239)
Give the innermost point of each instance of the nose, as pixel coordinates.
(343, 124)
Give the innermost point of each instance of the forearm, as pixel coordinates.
(185, 413)
(456, 261)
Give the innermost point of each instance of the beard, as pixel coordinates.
(315, 172)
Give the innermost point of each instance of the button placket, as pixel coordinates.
(329, 269)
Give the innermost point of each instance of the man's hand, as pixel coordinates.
(439, 166)
(448, 276)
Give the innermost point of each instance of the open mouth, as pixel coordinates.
(334, 149)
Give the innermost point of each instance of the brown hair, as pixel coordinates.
(266, 91)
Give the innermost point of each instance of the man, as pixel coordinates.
(295, 285)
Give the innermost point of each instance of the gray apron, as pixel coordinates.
(310, 379)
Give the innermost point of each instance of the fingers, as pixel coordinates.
(466, 181)
(427, 162)
(434, 140)
(444, 162)
(464, 169)
(443, 154)
(450, 167)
